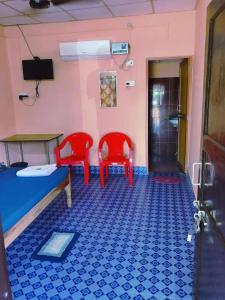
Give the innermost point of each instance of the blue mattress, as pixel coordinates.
(19, 194)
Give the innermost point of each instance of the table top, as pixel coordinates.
(31, 138)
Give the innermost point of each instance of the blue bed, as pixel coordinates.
(19, 195)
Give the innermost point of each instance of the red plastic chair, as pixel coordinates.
(80, 143)
(115, 142)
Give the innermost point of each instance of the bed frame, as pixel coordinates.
(18, 228)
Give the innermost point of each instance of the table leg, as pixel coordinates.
(21, 151)
(57, 139)
(7, 154)
(47, 152)
(5, 291)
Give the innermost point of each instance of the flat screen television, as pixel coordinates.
(37, 69)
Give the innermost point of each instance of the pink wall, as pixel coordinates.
(197, 85)
(7, 126)
(71, 101)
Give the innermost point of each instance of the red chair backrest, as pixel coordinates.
(115, 143)
(79, 141)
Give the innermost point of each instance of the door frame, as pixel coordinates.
(183, 111)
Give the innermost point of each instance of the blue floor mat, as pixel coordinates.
(132, 244)
(56, 246)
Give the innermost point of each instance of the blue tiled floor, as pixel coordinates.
(132, 244)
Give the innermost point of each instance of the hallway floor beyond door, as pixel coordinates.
(132, 244)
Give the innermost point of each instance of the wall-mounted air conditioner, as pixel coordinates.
(85, 50)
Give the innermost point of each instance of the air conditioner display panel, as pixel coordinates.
(119, 48)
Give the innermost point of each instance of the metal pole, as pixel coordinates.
(47, 151)
(7, 154)
(21, 151)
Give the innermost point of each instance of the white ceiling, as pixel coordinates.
(13, 12)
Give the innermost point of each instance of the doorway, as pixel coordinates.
(167, 108)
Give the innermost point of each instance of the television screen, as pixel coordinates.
(37, 69)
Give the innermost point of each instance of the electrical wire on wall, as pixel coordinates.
(37, 83)
(123, 65)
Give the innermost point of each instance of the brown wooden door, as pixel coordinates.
(5, 291)
(210, 242)
(182, 114)
(163, 105)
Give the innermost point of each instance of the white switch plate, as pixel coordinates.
(129, 63)
(22, 96)
(129, 83)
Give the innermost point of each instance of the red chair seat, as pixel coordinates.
(115, 160)
(72, 159)
(80, 144)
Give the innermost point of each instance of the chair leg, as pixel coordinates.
(102, 175)
(86, 173)
(130, 176)
(126, 170)
(107, 171)
(71, 171)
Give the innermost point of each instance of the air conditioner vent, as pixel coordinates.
(99, 49)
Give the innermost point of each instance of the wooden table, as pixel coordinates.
(30, 138)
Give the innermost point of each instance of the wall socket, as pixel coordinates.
(22, 96)
(129, 63)
(129, 83)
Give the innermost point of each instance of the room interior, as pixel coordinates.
(163, 38)
(156, 32)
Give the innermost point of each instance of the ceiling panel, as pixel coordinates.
(53, 17)
(91, 13)
(174, 5)
(24, 7)
(17, 20)
(6, 11)
(133, 9)
(79, 4)
(119, 2)
(19, 11)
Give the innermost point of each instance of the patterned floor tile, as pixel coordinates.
(132, 243)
